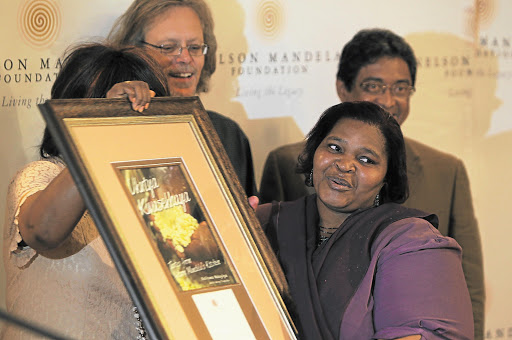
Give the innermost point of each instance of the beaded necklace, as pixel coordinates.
(325, 233)
(139, 326)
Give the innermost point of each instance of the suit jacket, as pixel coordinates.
(438, 183)
(237, 147)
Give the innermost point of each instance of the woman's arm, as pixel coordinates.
(47, 217)
(419, 284)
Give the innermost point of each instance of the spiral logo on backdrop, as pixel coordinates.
(39, 22)
(270, 18)
(272, 74)
(481, 20)
(480, 15)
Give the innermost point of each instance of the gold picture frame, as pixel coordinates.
(174, 217)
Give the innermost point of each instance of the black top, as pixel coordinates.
(238, 149)
(323, 278)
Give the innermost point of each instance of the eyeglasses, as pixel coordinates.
(194, 50)
(400, 90)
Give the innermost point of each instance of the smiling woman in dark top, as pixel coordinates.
(360, 265)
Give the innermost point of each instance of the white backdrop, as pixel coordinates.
(277, 61)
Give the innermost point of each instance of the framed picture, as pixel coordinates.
(174, 217)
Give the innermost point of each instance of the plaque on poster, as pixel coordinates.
(174, 217)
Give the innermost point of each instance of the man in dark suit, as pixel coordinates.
(379, 66)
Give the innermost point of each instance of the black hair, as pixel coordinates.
(396, 188)
(369, 45)
(90, 71)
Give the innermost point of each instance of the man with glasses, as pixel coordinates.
(180, 35)
(379, 66)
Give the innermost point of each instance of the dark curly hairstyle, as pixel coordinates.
(369, 45)
(396, 188)
(90, 70)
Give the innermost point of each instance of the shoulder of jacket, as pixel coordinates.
(216, 117)
(289, 149)
(427, 153)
